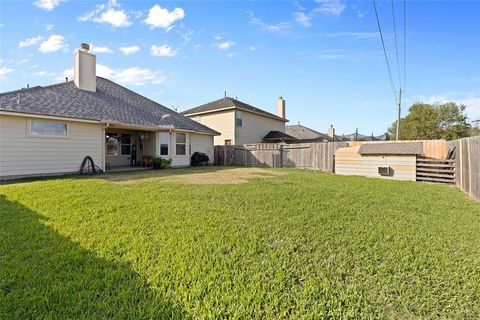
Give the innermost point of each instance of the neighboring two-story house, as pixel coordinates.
(240, 123)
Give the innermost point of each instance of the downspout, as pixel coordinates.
(104, 153)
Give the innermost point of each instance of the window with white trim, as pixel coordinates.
(49, 129)
(239, 118)
(180, 144)
(164, 143)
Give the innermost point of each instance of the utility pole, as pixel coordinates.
(399, 113)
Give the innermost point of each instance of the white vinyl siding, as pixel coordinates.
(23, 155)
(180, 160)
(202, 143)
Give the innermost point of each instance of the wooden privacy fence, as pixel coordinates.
(316, 156)
(435, 149)
(467, 164)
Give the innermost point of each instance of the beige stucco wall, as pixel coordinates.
(349, 162)
(255, 127)
(24, 155)
(202, 143)
(222, 122)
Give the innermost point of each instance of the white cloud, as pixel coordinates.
(109, 14)
(48, 5)
(162, 51)
(40, 73)
(252, 48)
(53, 43)
(360, 14)
(217, 37)
(4, 71)
(470, 100)
(100, 49)
(134, 76)
(302, 19)
(117, 18)
(29, 42)
(129, 50)
(138, 76)
(224, 45)
(48, 27)
(333, 7)
(159, 17)
(67, 73)
(267, 27)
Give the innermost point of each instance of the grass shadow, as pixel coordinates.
(45, 275)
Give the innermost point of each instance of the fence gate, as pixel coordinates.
(436, 170)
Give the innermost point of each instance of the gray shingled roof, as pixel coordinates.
(278, 136)
(228, 102)
(391, 148)
(304, 133)
(111, 102)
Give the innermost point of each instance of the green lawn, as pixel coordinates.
(238, 243)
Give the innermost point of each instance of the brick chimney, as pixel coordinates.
(281, 107)
(85, 69)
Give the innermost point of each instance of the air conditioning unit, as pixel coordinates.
(384, 171)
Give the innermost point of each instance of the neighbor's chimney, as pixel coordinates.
(85, 69)
(281, 107)
(331, 131)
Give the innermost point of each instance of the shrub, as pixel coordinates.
(160, 163)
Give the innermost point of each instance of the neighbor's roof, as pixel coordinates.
(278, 136)
(229, 103)
(392, 148)
(304, 133)
(110, 103)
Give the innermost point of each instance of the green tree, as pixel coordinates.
(426, 121)
(453, 121)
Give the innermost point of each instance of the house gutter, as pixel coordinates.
(42, 116)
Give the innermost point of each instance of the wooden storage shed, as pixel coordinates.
(395, 160)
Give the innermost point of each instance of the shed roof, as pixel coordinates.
(412, 148)
(110, 103)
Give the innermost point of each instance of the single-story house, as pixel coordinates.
(238, 122)
(306, 134)
(51, 129)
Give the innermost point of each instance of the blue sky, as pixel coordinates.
(324, 57)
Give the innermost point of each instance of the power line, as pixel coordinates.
(396, 44)
(404, 42)
(385, 52)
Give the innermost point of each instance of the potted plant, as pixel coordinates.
(160, 163)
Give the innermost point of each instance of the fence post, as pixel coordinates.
(245, 155)
(225, 155)
(281, 156)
